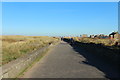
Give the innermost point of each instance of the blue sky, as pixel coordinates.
(59, 18)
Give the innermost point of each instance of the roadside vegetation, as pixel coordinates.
(105, 42)
(17, 46)
(106, 48)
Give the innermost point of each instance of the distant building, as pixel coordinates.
(100, 36)
(92, 36)
(84, 35)
(114, 35)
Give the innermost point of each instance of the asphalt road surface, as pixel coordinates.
(65, 61)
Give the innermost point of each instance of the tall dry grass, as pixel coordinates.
(106, 42)
(17, 46)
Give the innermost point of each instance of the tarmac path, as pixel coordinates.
(63, 61)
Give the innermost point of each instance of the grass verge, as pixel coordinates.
(31, 65)
(14, 47)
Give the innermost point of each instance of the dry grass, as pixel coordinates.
(106, 42)
(16, 46)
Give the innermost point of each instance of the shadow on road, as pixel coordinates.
(111, 71)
